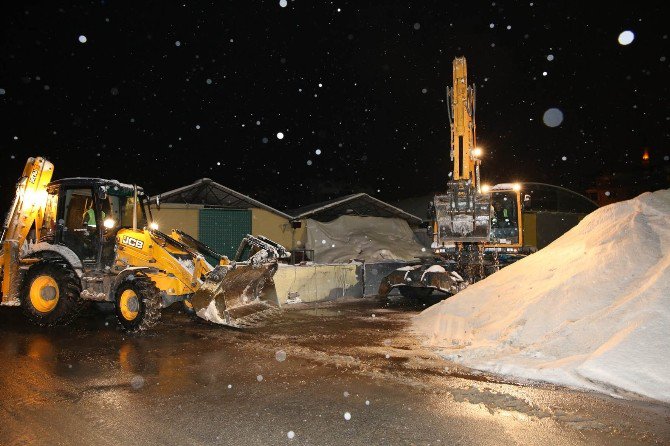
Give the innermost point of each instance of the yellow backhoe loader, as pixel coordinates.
(75, 240)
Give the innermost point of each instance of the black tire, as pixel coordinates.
(148, 304)
(415, 292)
(69, 302)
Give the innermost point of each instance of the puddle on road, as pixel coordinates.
(326, 312)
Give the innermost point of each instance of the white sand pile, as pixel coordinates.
(363, 238)
(591, 310)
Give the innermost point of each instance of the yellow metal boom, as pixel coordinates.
(461, 108)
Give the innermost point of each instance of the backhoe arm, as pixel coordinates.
(29, 202)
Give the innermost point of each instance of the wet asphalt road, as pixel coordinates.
(190, 383)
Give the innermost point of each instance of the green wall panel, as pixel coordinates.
(224, 229)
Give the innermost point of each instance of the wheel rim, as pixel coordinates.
(188, 304)
(129, 305)
(44, 293)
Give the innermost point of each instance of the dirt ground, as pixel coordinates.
(344, 372)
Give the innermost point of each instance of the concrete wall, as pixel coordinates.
(178, 216)
(272, 226)
(319, 282)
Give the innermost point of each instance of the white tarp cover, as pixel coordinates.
(362, 238)
(590, 310)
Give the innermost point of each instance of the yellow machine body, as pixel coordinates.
(101, 257)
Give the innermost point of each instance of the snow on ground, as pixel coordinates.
(591, 310)
(363, 238)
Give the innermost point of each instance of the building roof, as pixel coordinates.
(208, 192)
(356, 204)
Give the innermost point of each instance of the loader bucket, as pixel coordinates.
(239, 295)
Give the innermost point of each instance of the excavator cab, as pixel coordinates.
(506, 229)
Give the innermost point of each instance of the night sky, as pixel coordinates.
(162, 93)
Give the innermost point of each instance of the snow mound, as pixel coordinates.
(362, 238)
(591, 310)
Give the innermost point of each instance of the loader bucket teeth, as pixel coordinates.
(239, 295)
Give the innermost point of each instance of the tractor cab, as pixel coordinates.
(84, 214)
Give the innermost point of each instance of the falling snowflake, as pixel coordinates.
(283, 3)
(417, 26)
(177, 43)
(550, 57)
(230, 386)
(309, 162)
(367, 402)
(424, 90)
(280, 355)
(318, 151)
(607, 193)
(264, 140)
(2, 91)
(553, 117)
(346, 394)
(82, 39)
(137, 382)
(280, 135)
(564, 158)
(209, 81)
(259, 378)
(347, 416)
(626, 38)
(290, 434)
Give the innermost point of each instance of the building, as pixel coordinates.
(219, 216)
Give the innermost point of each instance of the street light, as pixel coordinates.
(477, 152)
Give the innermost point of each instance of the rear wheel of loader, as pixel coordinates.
(138, 304)
(51, 294)
(415, 292)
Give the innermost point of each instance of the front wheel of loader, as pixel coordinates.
(138, 304)
(51, 294)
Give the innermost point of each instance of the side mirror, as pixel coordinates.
(102, 193)
(158, 202)
(526, 202)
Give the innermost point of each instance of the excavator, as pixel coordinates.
(72, 241)
(475, 229)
